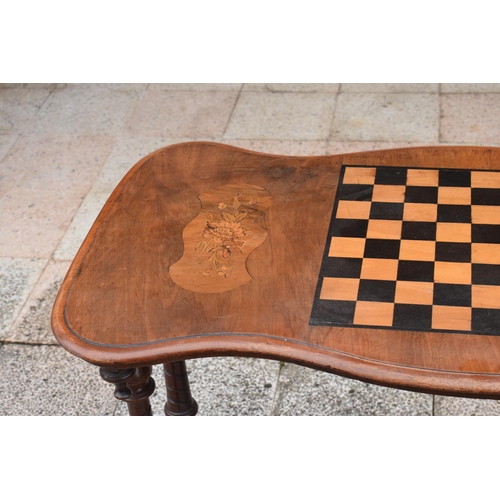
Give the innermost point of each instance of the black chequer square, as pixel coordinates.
(486, 233)
(418, 231)
(454, 178)
(353, 228)
(453, 252)
(421, 194)
(452, 295)
(376, 290)
(485, 274)
(333, 312)
(391, 176)
(456, 277)
(411, 270)
(486, 321)
(341, 267)
(483, 196)
(412, 317)
(386, 211)
(356, 192)
(454, 213)
(382, 249)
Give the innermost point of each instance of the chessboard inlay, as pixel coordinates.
(413, 249)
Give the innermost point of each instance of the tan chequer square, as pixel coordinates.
(339, 289)
(453, 232)
(486, 296)
(388, 194)
(417, 177)
(485, 179)
(359, 175)
(347, 247)
(414, 292)
(485, 214)
(374, 313)
(417, 250)
(454, 195)
(384, 229)
(458, 273)
(485, 253)
(353, 209)
(379, 269)
(420, 212)
(451, 318)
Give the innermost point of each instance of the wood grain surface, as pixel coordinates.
(119, 307)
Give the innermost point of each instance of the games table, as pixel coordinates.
(382, 266)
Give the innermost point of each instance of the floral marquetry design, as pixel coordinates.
(230, 225)
(223, 236)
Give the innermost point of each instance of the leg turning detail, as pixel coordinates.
(179, 400)
(134, 386)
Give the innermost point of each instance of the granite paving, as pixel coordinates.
(63, 149)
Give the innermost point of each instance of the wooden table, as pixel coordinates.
(382, 266)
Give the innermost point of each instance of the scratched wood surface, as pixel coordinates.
(127, 299)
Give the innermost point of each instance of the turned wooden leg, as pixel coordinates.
(179, 400)
(134, 386)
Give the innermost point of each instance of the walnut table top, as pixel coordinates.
(382, 266)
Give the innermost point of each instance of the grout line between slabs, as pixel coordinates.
(329, 138)
(9, 150)
(232, 112)
(31, 344)
(52, 255)
(273, 411)
(440, 115)
(14, 321)
(132, 111)
(38, 111)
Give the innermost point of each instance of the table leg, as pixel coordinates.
(179, 400)
(134, 386)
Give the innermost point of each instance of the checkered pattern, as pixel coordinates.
(413, 249)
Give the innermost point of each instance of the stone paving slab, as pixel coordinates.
(291, 87)
(6, 142)
(33, 322)
(48, 86)
(447, 406)
(304, 391)
(386, 117)
(390, 88)
(46, 179)
(469, 87)
(47, 380)
(48, 162)
(18, 106)
(223, 386)
(197, 86)
(138, 88)
(182, 113)
(87, 109)
(470, 119)
(284, 147)
(44, 216)
(129, 149)
(63, 163)
(292, 115)
(17, 279)
(80, 226)
(336, 147)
